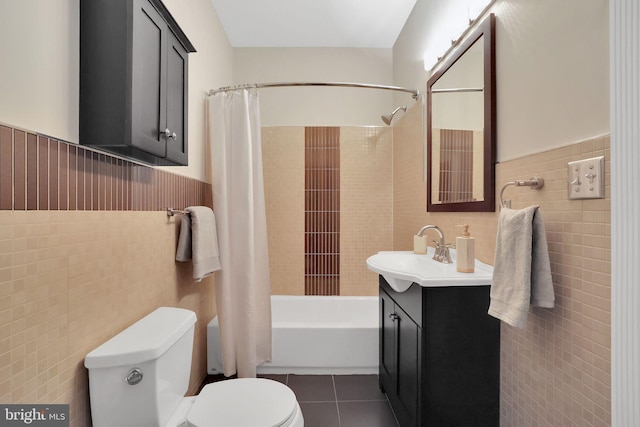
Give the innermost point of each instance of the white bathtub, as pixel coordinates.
(315, 335)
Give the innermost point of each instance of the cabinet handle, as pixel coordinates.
(393, 317)
(168, 134)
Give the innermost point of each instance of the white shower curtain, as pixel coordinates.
(243, 289)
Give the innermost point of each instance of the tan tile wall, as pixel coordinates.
(365, 205)
(74, 274)
(557, 370)
(71, 280)
(283, 165)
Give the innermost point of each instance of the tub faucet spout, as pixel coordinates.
(442, 250)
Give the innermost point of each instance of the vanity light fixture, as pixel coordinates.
(453, 31)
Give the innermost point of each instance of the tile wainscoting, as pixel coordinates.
(85, 251)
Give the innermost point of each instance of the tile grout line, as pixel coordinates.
(335, 393)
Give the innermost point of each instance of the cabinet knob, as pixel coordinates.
(168, 134)
(393, 317)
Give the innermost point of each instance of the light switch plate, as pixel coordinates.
(586, 178)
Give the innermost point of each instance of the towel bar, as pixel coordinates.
(171, 212)
(536, 183)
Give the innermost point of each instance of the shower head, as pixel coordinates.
(387, 118)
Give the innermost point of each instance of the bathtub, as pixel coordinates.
(315, 335)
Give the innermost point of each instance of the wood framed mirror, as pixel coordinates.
(461, 126)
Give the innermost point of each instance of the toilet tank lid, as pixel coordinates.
(145, 340)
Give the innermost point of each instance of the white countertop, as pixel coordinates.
(402, 268)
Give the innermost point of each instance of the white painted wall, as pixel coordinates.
(552, 64)
(552, 72)
(319, 106)
(39, 71)
(39, 75)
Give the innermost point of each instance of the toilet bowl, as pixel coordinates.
(139, 377)
(241, 402)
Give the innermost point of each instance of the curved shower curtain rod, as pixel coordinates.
(415, 92)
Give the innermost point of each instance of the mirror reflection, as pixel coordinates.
(460, 140)
(457, 129)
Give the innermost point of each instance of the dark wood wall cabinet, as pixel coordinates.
(440, 356)
(133, 80)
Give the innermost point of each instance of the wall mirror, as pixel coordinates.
(461, 126)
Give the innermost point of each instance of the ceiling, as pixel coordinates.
(313, 23)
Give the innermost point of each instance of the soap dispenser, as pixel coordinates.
(465, 251)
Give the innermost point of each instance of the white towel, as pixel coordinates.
(198, 240)
(521, 271)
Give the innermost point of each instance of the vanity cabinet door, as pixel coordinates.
(399, 360)
(388, 353)
(408, 371)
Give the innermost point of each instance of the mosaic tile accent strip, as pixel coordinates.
(41, 173)
(322, 211)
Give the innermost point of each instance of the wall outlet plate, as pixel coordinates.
(586, 178)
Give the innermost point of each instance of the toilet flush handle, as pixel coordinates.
(134, 376)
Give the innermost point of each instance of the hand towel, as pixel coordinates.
(198, 240)
(521, 271)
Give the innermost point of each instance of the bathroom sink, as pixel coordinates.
(402, 268)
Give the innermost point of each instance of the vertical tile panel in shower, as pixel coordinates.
(322, 208)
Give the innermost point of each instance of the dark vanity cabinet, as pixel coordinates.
(439, 355)
(133, 80)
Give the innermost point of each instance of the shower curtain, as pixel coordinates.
(243, 289)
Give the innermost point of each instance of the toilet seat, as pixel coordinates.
(244, 402)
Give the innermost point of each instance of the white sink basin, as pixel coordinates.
(402, 268)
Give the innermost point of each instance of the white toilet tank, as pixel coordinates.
(139, 377)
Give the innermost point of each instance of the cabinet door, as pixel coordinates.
(408, 369)
(149, 79)
(177, 76)
(387, 371)
(399, 372)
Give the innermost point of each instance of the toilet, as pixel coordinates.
(139, 379)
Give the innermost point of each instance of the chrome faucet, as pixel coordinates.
(442, 250)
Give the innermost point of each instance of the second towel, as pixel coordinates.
(198, 240)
